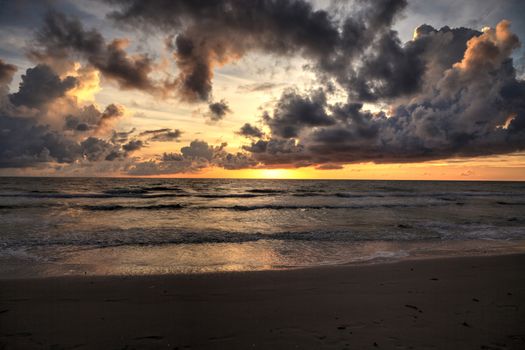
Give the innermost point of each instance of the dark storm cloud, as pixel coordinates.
(249, 130)
(471, 105)
(41, 85)
(94, 149)
(28, 13)
(389, 69)
(25, 143)
(452, 92)
(213, 33)
(277, 151)
(293, 112)
(62, 37)
(217, 110)
(210, 34)
(162, 135)
(194, 80)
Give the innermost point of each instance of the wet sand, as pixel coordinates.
(448, 303)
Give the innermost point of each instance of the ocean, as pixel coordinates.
(110, 226)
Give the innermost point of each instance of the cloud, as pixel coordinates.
(110, 114)
(197, 150)
(235, 161)
(448, 92)
(329, 166)
(293, 112)
(26, 143)
(6, 72)
(474, 107)
(27, 140)
(192, 158)
(468, 173)
(218, 110)
(119, 137)
(196, 156)
(94, 149)
(85, 119)
(360, 51)
(256, 87)
(133, 145)
(62, 37)
(162, 135)
(26, 137)
(41, 85)
(90, 118)
(249, 130)
(211, 34)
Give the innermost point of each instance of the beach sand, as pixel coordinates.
(447, 303)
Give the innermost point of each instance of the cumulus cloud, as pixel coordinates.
(474, 107)
(41, 85)
(28, 140)
(196, 156)
(164, 164)
(448, 92)
(192, 158)
(90, 118)
(197, 150)
(235, 161)
(294, 112)
(24, 142)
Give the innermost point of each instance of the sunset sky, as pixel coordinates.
(386, 89)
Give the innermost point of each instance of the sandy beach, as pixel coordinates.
(447, 303)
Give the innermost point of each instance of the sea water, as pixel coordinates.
(106, 226)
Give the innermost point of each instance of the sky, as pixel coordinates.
(386, 89)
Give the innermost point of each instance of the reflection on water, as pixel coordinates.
(129, 226)
(224, 257)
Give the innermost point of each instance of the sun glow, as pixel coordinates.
(276, 173)
(88, 83)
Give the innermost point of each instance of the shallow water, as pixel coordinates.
(55, 226)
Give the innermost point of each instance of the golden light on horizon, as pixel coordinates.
(489, 168)
(276, 173)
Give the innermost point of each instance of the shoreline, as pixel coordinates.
(87, 262)
(462, 302)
